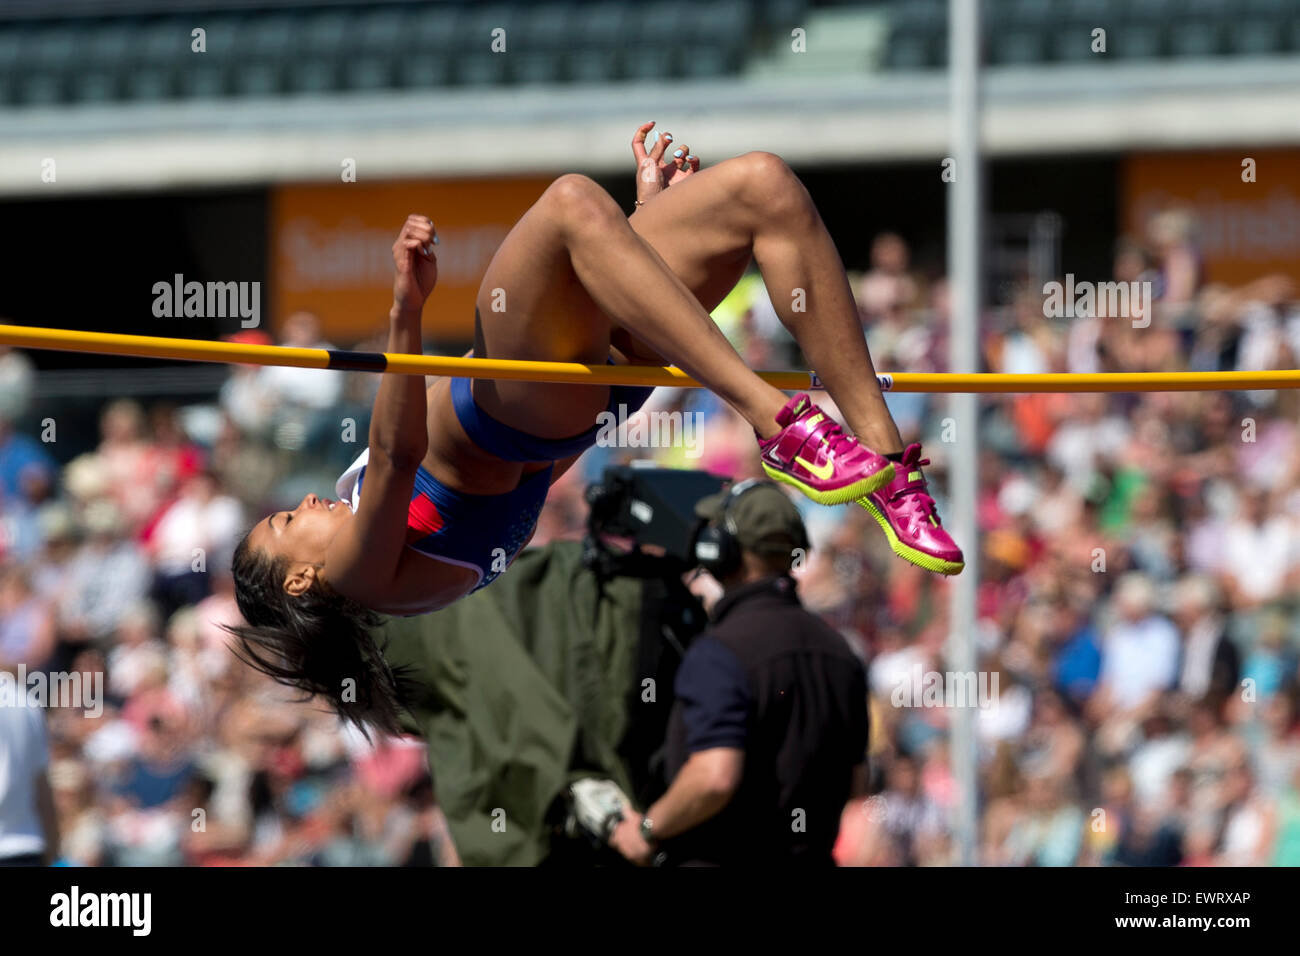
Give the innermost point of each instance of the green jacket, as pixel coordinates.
(524, 687)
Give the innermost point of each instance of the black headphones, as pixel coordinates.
(717, 550)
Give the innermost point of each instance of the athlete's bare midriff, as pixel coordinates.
(456, 461)
(423, 583)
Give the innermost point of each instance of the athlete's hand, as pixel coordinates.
(417, 267)
(654, 174)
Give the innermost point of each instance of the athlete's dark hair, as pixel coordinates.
(315, 641)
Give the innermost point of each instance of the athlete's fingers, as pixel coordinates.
(638, 140)
(401, 257)
(418, 247)
(421, 226)
(425, 235)
(661, 144)
(690, 165)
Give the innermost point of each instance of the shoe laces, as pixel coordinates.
(915, 487)
(832, 437)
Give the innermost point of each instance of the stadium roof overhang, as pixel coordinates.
(876, 118)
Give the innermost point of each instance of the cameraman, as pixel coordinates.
(768, 734)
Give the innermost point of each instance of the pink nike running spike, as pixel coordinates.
(812, 453)
(908, 516)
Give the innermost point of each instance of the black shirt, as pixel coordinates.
(776, 681)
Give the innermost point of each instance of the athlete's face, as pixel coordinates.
(301, 535)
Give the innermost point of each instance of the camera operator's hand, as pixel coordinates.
(627, 839)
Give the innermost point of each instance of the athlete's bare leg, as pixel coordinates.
(707, 226)
(568, 269)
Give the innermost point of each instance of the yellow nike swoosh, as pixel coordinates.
(821, 471)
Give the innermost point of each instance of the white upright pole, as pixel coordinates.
(964, 237)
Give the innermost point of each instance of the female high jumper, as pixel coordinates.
(450, 488)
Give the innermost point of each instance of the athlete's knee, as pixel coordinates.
(769, 185)
(579, 200)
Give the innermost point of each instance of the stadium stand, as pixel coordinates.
(144, 53)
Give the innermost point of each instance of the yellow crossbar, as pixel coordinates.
(196, 350)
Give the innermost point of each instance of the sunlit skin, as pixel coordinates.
(587, 283)
(302, 535)
(420, 583)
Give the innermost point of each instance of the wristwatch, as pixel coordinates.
(647, 829)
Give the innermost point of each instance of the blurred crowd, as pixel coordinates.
(1137, 555)
(118, 563)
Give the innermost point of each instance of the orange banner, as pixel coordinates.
(1243, 229)
(331, 249)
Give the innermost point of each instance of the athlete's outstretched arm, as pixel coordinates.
(398, 427)
(362, 560)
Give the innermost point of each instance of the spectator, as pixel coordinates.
(26, 623)
(1210, 664)
(199, 528)
(912, 821)
(1049, 830)
(1077, 653)
(309, 388)
(1247, 819)
(128, 479)
(1286, 826)
(17, 383)
(1265, 540)
(107, 575)
(29, 833)
(1139, 651)
(18, 454)
(887, 290)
